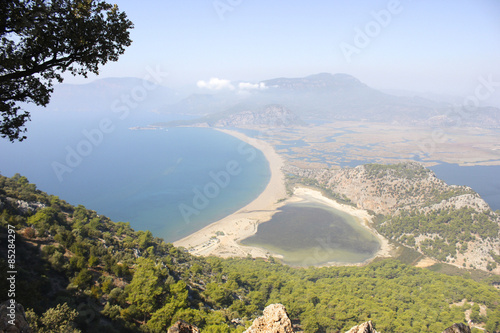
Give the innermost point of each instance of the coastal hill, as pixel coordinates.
(449, 223)
(77, 271)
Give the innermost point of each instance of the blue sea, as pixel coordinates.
(171, 182)
(485, 180)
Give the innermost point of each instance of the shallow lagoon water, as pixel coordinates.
(311, 233)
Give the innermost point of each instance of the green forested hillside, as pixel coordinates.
(118, 279)
(454, 227)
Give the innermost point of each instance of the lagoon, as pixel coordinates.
(311, 233)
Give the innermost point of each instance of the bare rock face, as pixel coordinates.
(458, 328)
(274, 320)
(13, 318)
(183, 327)
(363, 328)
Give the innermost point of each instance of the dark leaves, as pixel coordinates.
(39, 40)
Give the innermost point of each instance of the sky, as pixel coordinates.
(419, 45)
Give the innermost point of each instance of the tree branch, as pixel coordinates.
(39, 68)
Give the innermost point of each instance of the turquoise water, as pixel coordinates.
(170, 182)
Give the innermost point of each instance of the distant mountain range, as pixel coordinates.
(316, 98)
(331, 97)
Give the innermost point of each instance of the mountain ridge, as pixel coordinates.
(336, 97)
(318, 97)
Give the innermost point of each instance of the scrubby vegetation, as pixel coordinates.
(400, 170)
(78, 270)
(453, 229)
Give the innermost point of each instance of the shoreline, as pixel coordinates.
(221, 238)
(364, 218)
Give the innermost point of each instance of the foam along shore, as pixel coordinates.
(222, 238)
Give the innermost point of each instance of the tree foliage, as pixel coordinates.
(55, 320)
(453, 229)
(40, 40)
(116, 285)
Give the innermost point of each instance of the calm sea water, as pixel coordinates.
(485, 180)
(170, 182)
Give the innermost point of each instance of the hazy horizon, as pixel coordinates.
(405, 45)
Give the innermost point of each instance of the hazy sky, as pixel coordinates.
(421, 45)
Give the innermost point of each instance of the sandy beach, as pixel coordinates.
(221, 238)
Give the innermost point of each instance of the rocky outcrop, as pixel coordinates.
(368, 328)
(471, 200)
(385, 189)
(21, 205)
(458, 328)
(183, 327)
(13, 319)
(274, 320)
(363, 328)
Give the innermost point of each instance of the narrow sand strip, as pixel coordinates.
(221, 238)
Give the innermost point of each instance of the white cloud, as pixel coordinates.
(215, 84)
(252, 86)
